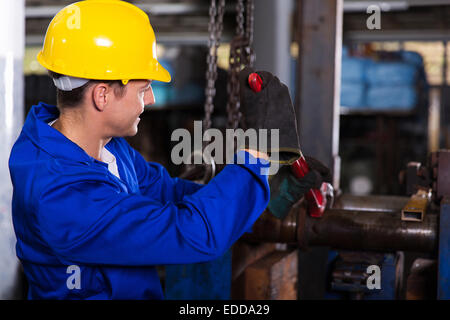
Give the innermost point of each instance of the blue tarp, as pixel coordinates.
(354, 69)
(381, 84)
(391, 73)
(353, 94)
(412, 58)
(386, 97)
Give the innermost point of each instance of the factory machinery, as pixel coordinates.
(358, 232)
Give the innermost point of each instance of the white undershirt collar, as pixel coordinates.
(106, 156)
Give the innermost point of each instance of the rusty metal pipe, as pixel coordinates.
(268, 228)
(365, 230)
(348, 229)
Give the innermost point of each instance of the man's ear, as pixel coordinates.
(101, 94)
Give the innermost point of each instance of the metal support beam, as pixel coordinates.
(434, 112)
(396, 35)
(319, 74)
(272, 37)
(319, 33)
(49, 11)
(12, 19)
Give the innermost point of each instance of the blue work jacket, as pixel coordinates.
(73, 218)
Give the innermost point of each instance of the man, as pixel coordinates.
(91, 216)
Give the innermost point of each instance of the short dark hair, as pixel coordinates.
(74, 97)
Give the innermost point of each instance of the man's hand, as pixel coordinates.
(323, 171)
(286, 189)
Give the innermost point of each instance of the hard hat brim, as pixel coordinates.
(155, 71)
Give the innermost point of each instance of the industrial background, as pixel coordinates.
(373, 104)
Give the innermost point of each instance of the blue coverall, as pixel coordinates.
(69, 210)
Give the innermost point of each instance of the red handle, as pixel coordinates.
(300, 167)
(255, 82)
(314, 197)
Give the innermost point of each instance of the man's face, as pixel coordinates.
(123, 112)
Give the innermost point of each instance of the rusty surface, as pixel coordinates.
(379, 231)
(274, 277)
(271, 229)
(349, 229)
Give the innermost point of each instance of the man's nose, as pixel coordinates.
(149, 97)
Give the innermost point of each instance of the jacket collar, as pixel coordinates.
(49, 139)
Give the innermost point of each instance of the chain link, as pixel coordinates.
(240, 18)
(215, 32)
(241, 54)
(249, 32)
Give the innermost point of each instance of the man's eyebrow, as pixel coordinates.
(147, 85)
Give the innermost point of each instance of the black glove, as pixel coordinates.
(286, 189)
(323, 170)
(271, 108)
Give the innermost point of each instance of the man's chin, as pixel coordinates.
(130, 133)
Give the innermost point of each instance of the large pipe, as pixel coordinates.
(348, 229)
(365, 230)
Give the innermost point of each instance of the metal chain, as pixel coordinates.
(215, 32)
(240, 18)
(203, 173)
(249, 32)
(241, 53)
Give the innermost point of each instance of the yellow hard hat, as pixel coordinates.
(102, 40)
